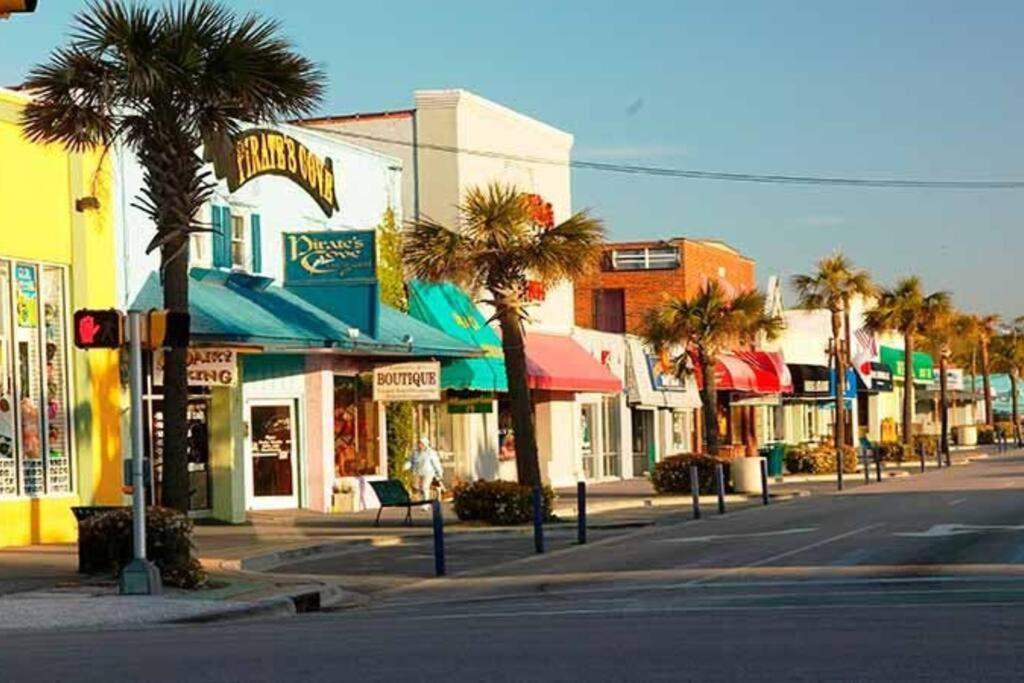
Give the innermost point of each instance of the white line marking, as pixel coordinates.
(956, 502)
(761, 534)
(941, 530)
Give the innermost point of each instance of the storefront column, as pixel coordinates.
(226, 454)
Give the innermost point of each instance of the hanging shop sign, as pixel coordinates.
(663, 377)
(205, 367)
(420, 381)
(260, 151)
(466, 406)
(329, 256)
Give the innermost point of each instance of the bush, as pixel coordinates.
(672, 475)
(986, 435)
(890, 451)
(819, 459)
(1004, 429)
(106, 545)
(498, 502)
(926, 443)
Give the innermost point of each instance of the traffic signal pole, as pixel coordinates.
(140, 577)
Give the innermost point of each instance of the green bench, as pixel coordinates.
(392, 494)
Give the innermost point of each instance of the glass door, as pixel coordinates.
(271, 454)
(587, 418)
(643, 441)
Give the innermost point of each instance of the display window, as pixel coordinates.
(35, 444)
(432, 422)
(356, 448)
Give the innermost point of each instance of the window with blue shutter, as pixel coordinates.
(255, 247)
(221, 223)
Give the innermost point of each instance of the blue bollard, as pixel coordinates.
(435, 511)
(695, 491)
(538, 519)
(581, 512)
(764, 481)
(720, 485)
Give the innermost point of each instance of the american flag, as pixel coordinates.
(866, 341)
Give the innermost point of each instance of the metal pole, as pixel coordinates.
(878, 469)
(867, 466)
(538, 519)
(764, 481)
(138, 481)
(581, 512)
(839, 469)
(920, 453)
(695, 491)
(720, 485)
(438, 519)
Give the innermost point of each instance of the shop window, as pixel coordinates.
(35, 456)
(610, 310)
(611, 431)
(682, 427)
(653, 258)
(355, 427)
(238, 259)
(432, 421)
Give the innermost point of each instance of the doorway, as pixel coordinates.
(271, 455)
(643, 441)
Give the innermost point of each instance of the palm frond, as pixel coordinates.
(566, 251)
(434, 253)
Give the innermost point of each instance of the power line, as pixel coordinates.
(777, 179)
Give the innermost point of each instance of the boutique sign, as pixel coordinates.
(322, 257)
(259, 151)
(407, 382)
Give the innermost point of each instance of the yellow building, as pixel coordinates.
(60, 443)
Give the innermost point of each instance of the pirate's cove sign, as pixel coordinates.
(260, 151)
(329, 256)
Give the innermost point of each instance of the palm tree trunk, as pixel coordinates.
(175, 491)
(944, 408)
(908, 393)
(513, 343)
(986, 384)
(709, 399)
(837, 356)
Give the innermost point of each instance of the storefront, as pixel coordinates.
(874, 380)
(463, 425)
(922, 374)
(59, 407)
(664, 409)
(750, 387)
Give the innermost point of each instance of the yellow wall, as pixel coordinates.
(38, 221)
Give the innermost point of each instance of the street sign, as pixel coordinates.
(99, 329)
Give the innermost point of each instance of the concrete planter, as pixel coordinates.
(746, 474)
(967, 435)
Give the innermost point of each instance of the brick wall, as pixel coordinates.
(645, 289)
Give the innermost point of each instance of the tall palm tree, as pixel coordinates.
(164, 83)
(499, 245)
(832, 286)
(942, 329)
(1008, 357)
(699, 329)
(985, 328)
(906, 309)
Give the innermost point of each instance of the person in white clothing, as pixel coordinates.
(425, 464)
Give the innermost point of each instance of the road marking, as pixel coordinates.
(956, 502)
(761, 534)
(783, 555)
(942, 530)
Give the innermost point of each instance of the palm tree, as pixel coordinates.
(907, 310)
(832, 286)
(699, 329)
(943, 327)
(984, 328)
(499, 245)
(164, 83)
(1008, 357)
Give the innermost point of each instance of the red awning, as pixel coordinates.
(756, 372)
(560, 364)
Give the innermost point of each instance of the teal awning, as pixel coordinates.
(246, 309)
(451, 311)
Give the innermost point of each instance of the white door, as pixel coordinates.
(271, 455)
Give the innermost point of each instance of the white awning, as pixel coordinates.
(647, 386)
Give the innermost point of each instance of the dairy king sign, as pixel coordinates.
(407, 382)
(206, 367)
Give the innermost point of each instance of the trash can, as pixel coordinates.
(774, 453)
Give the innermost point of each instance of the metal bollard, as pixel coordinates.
(695, 491)
(764, 481)
(438, 518)
(878, 469)
(720, 485)
(920, 451)
(839, 470)
(581, 512)
(538, 519)
(867, 466)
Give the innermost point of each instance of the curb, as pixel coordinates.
(308, 599)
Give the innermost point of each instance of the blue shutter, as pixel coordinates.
(221, 223)
(255, 247)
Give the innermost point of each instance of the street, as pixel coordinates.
(915, 578)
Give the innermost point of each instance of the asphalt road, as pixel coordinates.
(917, 578)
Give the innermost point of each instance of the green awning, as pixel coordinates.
(450, 310)
(924, 366)
(246, 309)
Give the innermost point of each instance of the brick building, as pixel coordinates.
(634, 276)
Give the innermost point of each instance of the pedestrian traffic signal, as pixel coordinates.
(10, 6)
(167, 329)
(99, 329)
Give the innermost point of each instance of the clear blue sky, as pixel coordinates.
(911, 89)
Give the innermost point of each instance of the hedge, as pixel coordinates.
(498, 502)
(672, 475)
(106, 545)
(819, 459)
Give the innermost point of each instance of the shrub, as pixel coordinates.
(926, 443)
(672, 475)
(890, 451)
(1004, 429)
(498, 502)
(106, 545)
(986, 435)
(819, 459)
